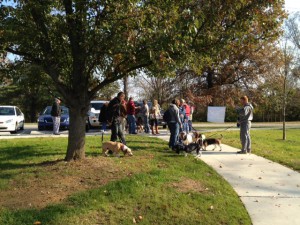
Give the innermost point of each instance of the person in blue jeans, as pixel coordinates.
(131, 116)
(174, 123)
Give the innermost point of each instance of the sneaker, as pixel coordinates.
(241, 152)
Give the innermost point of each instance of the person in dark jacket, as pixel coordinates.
(56, 113)
(175, 123)
(114, 117)
(102, 116)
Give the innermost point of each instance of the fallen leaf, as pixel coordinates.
(140, 217)
(133, 220)
(37, 223)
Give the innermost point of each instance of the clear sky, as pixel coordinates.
(292, 5)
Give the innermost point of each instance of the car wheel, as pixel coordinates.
(15, 131)
(41, 128)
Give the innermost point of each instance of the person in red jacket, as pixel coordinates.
(131, 116)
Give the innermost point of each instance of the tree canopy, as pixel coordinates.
(83, 45)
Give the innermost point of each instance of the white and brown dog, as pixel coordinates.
(115, 148)
(185, 138)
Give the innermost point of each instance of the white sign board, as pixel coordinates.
(216, 114)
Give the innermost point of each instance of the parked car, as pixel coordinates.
(11, 119)
(45, 119)
(93, 114)
(160, 120)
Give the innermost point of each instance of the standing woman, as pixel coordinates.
(154, 116)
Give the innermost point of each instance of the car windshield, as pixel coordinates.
(7, 111)
(97, 105)
(47, 111)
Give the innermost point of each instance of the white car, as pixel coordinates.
(11, 119)
(93, 114)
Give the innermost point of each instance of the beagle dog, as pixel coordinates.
(115, 148)
(211, 141)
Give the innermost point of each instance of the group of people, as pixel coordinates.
(117, 110)
(118, 113)
(179, 121)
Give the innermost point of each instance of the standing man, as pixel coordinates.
(245, 115)
(145, 113)
(113, 115)
(174, 123)
(56, 113)
(131, 116)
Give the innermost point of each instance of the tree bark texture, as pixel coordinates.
(76, 139)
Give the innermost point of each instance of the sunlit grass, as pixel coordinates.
(150, 194)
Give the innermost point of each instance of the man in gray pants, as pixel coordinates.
(245, 117)
(56, 113)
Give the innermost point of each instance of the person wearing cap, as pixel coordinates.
(56, 113)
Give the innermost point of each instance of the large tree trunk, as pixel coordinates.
(76, 141)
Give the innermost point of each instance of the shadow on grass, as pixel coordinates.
(11, 156)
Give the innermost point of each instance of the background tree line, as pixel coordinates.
(260, 70)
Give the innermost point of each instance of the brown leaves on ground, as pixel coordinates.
(52, 182)
(188, 185)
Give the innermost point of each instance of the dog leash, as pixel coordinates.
(218, 131)
(222, 130)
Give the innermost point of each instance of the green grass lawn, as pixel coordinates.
(152, 187)
(269, 144)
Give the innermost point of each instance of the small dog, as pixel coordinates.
(115, 148)
(185, 138)
(188, 149)
(210, 141)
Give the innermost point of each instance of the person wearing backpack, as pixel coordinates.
(174, 122)
(114, 117)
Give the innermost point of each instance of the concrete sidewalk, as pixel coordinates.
(269, 191)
